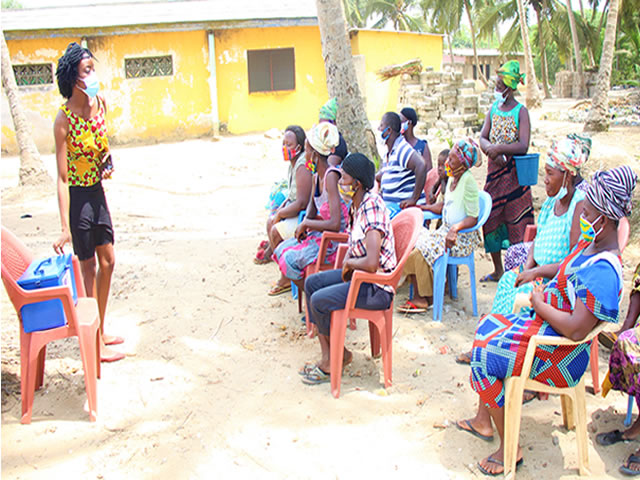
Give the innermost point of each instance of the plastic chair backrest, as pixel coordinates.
(406, 227)
(485, 209)
(16, 258)
(432, 178)
(623, 233)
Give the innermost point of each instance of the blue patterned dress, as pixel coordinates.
(551, 245)
(501, 340)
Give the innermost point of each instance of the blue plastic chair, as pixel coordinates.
(447, 265)
(627, 420)
(294, 288)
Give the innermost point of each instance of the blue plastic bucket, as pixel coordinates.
(527, 168)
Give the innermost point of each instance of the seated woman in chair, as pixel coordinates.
(460, 210)
(325, 211)
(283, 223)
(371, 248)
(585, 291)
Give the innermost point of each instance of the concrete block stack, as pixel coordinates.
(443, 100)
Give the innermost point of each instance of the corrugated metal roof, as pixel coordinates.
(150, 13)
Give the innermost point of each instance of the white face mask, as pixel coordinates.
(563, 190)
(500, 97)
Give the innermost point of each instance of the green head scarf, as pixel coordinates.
(329, 111)
(510, 73)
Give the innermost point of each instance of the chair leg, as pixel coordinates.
(300, 286)
(336, 353)
(627, 419)
(85, 340)
(27, 399)
(580, 410)
(374, 337)
(595, 366)
(472, 279)
(514, 391)
(567, 412)
(40, 371)
(387, 347)
(439, 275)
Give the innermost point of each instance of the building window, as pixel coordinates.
(271, 70)
(33, 74)
(148, 67)
(475, 72)
(487, 71)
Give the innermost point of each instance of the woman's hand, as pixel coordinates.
(347, 271)
(525, 277)
(493, 151)
(275, 218)
(301, 231)
(537, 297)
(451, 238)
(59, 244)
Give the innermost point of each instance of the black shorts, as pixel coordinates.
(89, 219)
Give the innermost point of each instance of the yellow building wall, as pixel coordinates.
(244, 112)
(139, 110)
(382, 48)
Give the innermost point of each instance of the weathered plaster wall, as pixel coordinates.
(248, 112)
(382, 48)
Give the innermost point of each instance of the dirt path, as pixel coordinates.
(210, 386)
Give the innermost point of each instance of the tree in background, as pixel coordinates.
(532, 96)
(598, 119)
(32, 170)
(578, 80)
(341, 79)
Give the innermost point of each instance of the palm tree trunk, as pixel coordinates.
(341, 79)
(578, 79)
(450, 41)
(543, 53)
(532, 95)
(31, 171)
(598, 119)
(604, 15)
(467, 7)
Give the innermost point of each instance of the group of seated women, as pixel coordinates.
(571, 274)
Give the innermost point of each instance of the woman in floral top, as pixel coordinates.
(83, 160)
(371, 248)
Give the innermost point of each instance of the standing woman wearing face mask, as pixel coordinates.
(505, 133)
(82, 150)
(586, 291)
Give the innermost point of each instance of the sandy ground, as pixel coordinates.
(210, 388)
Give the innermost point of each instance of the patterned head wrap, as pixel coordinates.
(361, 168)
(569, 154)
(323, 138)
(611, 191)
(510, 73)
(467, 151)
(329, 111)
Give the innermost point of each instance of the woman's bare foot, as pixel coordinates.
(494, 463)
(112, 339)
(109, 355)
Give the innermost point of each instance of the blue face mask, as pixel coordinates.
(404, 127)
(500, 97)
(92, 84)
(388, 134)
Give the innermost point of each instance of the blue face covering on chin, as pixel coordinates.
(92, 84)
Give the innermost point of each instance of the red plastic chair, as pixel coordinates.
(623, 239)
(83, 321)
(406, 226)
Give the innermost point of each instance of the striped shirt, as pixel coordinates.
(398, 181)
(373, 215)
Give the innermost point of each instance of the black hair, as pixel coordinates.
(444, 153)
(298, 131)
(361, 169)
(67, 71)
(410, 114)
(393, 120)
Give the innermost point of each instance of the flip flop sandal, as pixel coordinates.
(116, 341)
(473, 431)
(263, 244)
(463, 359)
(307, 368)
(410, 307)
(607, 339)
(279, 290)
(530, 399)
(628, 471)
(499, 463)
(488, 278)
(611, 438)
(114, 358)
(316, 377)
(260, 258)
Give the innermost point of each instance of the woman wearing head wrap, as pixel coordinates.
(329, 113)
(557, 233)
(371, 248)
(409, 119)
(586, 291)
(460, 210)
(325, 211)
(84, 160)
(505, 133)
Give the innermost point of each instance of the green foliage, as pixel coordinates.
(11, 4)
